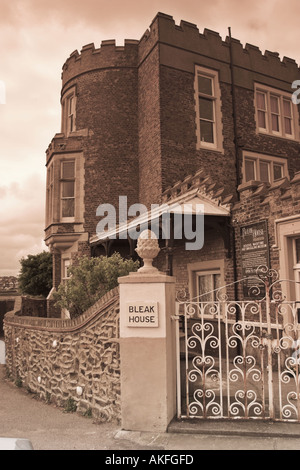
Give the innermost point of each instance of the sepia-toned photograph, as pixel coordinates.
(150, 228)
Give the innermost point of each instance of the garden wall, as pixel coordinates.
(70, 362)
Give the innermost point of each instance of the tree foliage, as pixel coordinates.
(36, 274)
(89, 280)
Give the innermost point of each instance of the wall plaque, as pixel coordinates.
(142, 314)
(254, 253)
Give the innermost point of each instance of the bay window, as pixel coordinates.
(67, 189)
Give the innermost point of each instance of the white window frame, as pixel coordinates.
(287, 229)
(217, 116)
(216, 266)
(257, 158)
(50, 193)
(210, 273)
(296, 269)
(69, 114)
(282, 97)
(62, 180)
(65, 264)
(208, 304)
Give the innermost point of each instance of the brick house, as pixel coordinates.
(179, 117)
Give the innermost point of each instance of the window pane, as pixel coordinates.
(205, 285)
(50, 174)
(249, 170)
(287, 108)
(261, 119)
(68, 169)
(207, 131)
(261, 101)
(297, 250)
(71, 123)
(66, 265)
(67, 207)
(206, 109)
(274, 104)
(71, 101)
(68, 189)
(277, 171)
(264, 171)
(217, 284)
(288, 126)
(275, 122)
(205, 85)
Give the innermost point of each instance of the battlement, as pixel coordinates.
(108, 55)
(209, 43)
(185, 36)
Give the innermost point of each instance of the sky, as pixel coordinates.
(36, 38)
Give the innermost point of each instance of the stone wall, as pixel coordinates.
(69, 361)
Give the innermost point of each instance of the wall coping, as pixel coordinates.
(60, 324)
(149, 278)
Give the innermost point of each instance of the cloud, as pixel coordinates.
(22, 222)
(3, 191)
(135, 16)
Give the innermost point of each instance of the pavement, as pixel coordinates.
(47, 427)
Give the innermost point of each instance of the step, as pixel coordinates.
(235, 427)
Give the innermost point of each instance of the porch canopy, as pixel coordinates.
(195, 203)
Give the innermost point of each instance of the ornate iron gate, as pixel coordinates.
(239, 359)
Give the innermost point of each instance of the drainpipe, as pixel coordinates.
(236, 146)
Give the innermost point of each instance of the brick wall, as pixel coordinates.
(109, 110)
(213, 249)
(265, 203)
(107, 100)
(33, 307)
(150, 177)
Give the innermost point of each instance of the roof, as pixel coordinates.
(195, 195)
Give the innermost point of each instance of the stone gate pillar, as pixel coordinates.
(147, 344)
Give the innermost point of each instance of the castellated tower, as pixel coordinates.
(94, 159)
(104, 85)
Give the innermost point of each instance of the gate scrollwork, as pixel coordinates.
(242, 358)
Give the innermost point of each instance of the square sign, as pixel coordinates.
(142, 314)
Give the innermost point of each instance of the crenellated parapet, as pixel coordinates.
(188, 35)
(280, 197)
(204, 185)
(107, 56)
(165, 31)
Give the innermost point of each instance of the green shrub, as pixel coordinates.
(89, 280)
(70, 405)
(36, 274)
(18, 381)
